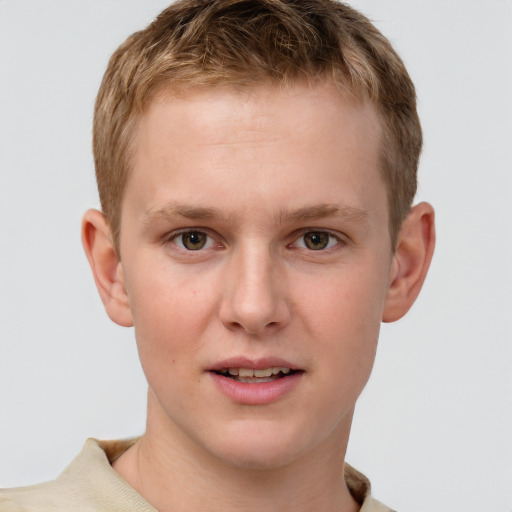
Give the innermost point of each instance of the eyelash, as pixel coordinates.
(176, 236)
(334, 240)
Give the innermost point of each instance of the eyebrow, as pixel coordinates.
(172, 210)
(322, 211)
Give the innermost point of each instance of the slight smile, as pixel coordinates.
(256, 382)
(255, 376)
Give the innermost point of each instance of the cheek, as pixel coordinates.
(170, 315)
(344, 320)
(347, 304)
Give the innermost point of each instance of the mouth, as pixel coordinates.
(255, 376)
(256, 382)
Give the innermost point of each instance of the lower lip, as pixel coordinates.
(249, 393)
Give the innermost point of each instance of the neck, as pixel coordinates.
(173, 474)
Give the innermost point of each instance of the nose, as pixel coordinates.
(254, 292)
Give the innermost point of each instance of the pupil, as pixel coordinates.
(194, 240)
(316, 241)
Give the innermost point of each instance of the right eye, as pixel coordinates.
(193, 240)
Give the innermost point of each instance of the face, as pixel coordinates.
(256, 259)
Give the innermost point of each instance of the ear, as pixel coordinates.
(414, 250)
(106, 267)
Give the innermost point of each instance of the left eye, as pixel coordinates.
(316, 241)
(193, 240)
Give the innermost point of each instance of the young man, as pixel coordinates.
(256, 162)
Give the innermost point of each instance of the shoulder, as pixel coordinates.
(34, 498)
(360, 488)
(88, 484)
(372, 505)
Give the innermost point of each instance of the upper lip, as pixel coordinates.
(253, 364)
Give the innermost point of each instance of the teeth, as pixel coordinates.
(255, 380)
(248, 372)
(263, 373)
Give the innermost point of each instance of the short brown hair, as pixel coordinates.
(244, 42)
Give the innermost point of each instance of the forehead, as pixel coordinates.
(265, 141)
(259, 105)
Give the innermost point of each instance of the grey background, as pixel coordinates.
(433, 428)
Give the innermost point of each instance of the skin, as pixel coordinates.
(255, 171)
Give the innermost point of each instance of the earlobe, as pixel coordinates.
(106, 267)
(412, 258)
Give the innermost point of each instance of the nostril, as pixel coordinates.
(257, 317)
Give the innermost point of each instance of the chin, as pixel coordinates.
(259, 451)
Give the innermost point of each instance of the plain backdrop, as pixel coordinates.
(433, 427)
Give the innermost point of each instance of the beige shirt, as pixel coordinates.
(89, 484)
